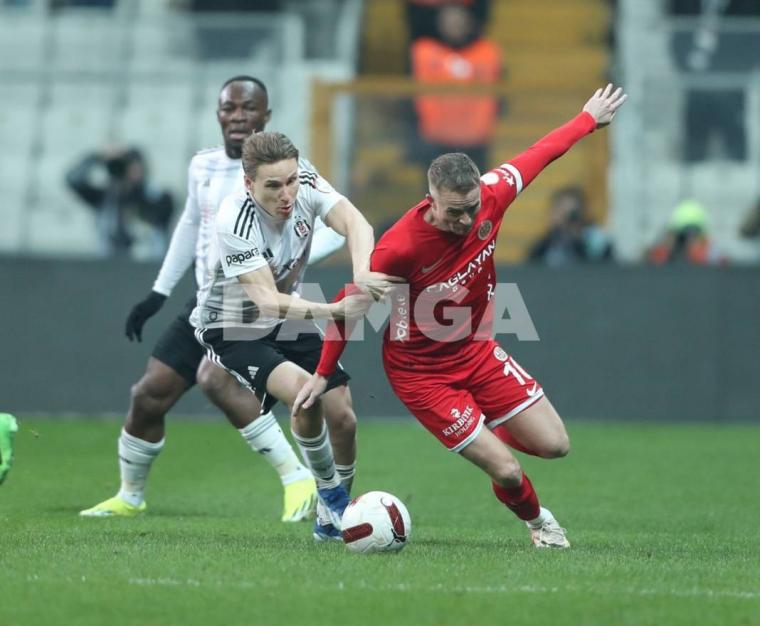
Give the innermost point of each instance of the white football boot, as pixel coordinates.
(549, 534)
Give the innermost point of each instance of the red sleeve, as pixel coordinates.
(336, 336)
(509, 179)
(388, 258)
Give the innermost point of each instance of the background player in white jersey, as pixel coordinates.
(264, 235)
(174, 365)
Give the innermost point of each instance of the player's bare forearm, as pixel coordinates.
(273, 303)
(345, 219)
(290, 308)
(361, 241)
(360, 238)
(260, 287)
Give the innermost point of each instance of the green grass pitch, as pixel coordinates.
(663, 521)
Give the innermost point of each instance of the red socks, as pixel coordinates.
(522, 500)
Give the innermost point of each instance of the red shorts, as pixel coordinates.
(454, 396)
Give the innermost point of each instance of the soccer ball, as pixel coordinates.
(376, 522)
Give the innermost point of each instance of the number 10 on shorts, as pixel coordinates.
(512, 367)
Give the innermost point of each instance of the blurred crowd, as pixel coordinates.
(132, 214)
(448, 43)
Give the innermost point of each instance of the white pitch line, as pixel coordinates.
(694, 592)
(485, 589)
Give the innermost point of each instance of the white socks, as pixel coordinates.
(543, 516)
(346, 474)
(265, 436)
(135, 458)
(318, 454)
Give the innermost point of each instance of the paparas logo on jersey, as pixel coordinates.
(239, 259)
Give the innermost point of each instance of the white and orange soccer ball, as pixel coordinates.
(376, 522)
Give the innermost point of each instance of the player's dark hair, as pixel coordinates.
(454, 171)
(260, 148)
(244, 78)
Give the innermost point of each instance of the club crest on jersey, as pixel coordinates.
(484, 230)
(499, 353)
(302, 228)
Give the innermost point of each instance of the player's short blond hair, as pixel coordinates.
(260, 148)
(454, 171)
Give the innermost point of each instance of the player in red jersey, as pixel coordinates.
(438, 351)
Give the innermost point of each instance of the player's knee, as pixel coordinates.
(507, 473)
(558, 447)
(150, 401)
(341, 422)
(563, 446)
(212, 381)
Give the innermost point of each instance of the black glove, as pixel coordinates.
(141, 313)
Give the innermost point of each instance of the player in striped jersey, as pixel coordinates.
(173, 367)
(264, 235)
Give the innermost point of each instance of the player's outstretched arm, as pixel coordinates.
(333, 345)
(261, 289)
(338, 332)
(345, 219)
(324, 243)
(597, 112)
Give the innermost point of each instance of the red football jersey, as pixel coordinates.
(451, 278)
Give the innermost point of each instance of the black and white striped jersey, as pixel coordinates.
(212, 176)
(247, 239)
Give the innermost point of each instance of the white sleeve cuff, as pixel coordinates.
(516, 173)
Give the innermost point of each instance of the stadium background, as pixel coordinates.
(651, 364)
(652, 342)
